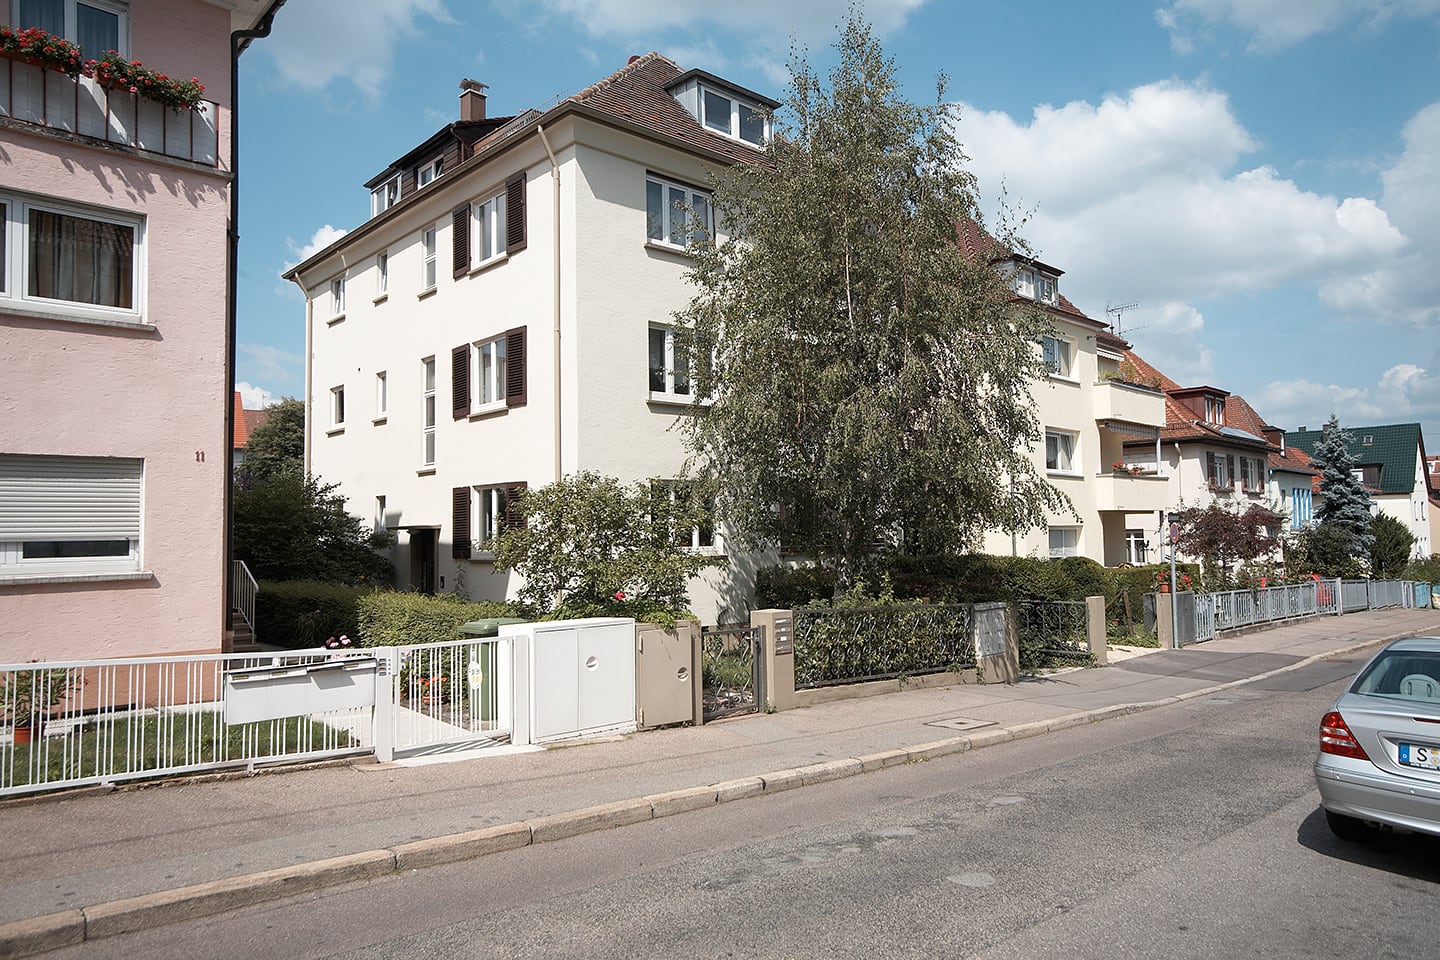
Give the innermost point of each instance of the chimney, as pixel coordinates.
(472, 99)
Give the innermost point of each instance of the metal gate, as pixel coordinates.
(1194, 618)
(442, 697)
(732, 669)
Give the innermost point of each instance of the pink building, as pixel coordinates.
(115, 342)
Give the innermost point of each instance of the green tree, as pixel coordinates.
(1347, 504)
(1392, 547)
(591, 546)
(1221, 534)
(1322, 550)
(291, 527)
(277, 445)
(862, 385)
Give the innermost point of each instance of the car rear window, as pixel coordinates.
(1402, 675)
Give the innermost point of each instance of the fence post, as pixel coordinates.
(1095, 629)
(1165, 620)
(997, 642)
(387, 680)
(778, 657)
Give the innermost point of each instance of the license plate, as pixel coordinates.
(1420, 755)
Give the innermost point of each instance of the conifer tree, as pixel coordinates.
(1346, 503)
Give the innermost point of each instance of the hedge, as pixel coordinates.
(297, 614)
(389, 618)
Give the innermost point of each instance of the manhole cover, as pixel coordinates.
(961, 723)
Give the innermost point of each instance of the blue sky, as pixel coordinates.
(1261, 176)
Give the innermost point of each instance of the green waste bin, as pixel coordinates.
(485, 660)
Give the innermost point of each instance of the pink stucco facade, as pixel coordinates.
(152, 387)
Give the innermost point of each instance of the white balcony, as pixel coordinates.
(1129, 403)
(1131, 493)
(46, 98)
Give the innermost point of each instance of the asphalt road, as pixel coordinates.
(1190, 831)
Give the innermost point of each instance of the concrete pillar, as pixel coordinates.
(1165, 620)
(1095, 628)
(778, 657)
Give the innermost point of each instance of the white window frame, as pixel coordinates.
(673, 217)
(382, 274)
(428, 274)
(1137, 546)
(488, 230)
(337, 408)
(15, 268)
(489, 518)
(382, 397)
(21, 483)
(1067, 456)
(1064, 347)
(427, 412)
(428, 173)
(337, 298)
(487, 373)
(1215, 410)
(697, 534)
(385, 196)
(1025, 282)
(1070, 541)
(668, 392)
(71, 31)
(728, 123)
(1047, 289)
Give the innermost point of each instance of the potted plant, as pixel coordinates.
(27, 696)
(114, 72)
(44, 50)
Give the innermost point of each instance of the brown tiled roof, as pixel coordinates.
(1180, 421)
(1294, 460)
(254, 419)
(242, 430)
(979, 246)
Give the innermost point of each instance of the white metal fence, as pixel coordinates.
(1231, 609)
(72, 723)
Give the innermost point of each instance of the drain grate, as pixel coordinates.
(961, 723)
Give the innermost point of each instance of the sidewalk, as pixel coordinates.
(97, 863)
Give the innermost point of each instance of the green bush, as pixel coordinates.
(390, 618)
(785, 587)
(1424, 571)
(303, 613)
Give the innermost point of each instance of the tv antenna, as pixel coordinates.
(1116, 311)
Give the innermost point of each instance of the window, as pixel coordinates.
(490, 228)
(382, 274)
(669, 371)
(675, 215)
(497, 225)
(1214, 410)
(1252, 475)
(96, 25)
(1045, 289)
(1025, 282)
(428, 402)
(379, 515)
(382, 396)
(53, 253)
(69, 515)
(1137, 547)
(481, 514)
(385, 196)
(337, 406)
(1300, 507)
(735, 118)
(1058, 354)
(673, 499)
(488, 374)
(337, 298)
(428, 173)
(1220, 470)
(427, 254)
(1060, 451)
(1064, 542)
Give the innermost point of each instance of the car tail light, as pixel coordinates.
(1336, 738)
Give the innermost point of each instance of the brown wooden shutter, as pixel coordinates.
(1229, 470)
(515, 239)
(514, 518)
(460, 523)
(515, 367)
(460, 381)
(460, 240)
(1210, 467)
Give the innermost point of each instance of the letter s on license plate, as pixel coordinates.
(1419, 755)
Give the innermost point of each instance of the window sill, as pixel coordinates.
(482, 556)
(675, 399)
(426, 471)
(426, 293)
(334, 431)
(334, 320)
(703, 551)
(28, 579)
(380, 420)
(1065, 473)
(488, 410)
(1062, 378)
(484, 265)
(19, 308)
(380, 299)
(661, 247)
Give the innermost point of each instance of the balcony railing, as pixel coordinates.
(1129, 403)
(46, 98)
(1132, 493)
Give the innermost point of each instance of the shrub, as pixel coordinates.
(1424, 571)
(304, 613)
(390, 618)
(785, 587)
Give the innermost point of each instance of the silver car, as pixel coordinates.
(1379, 763)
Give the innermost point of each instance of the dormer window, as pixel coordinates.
(385, 196)
(1045, 289)
(1025, 282)
(1214, 410)
(428, 173)
(733, 117)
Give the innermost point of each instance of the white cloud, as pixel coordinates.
(806, 19)
(1170, 337)
(263, 362)
(1137, 199)
(1277, 24)
(319, 41)
(1405, 392)
(253, 397)
(319, 240)
(1406, 288)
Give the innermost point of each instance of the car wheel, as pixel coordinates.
(1347, 828)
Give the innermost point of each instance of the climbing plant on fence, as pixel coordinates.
(852, 645)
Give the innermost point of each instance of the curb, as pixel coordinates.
(22, 938)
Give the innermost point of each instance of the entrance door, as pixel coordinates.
(422, 560)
